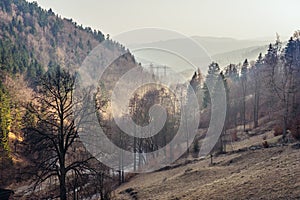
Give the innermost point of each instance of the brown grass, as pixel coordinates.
(263, 174)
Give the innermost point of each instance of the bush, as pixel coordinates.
(295, 128)
(264, 137)
(296, 132)
(196, 146)
(265, 144)
(234, 136)
(278, 130)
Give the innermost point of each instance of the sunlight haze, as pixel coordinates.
(238, 19)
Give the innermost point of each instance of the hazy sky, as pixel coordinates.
(224, 18)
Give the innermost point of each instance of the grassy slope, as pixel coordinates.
(262, 174)
(271, 173)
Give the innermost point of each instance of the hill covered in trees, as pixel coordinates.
(36, 43)
(41, 155)
(31, 36)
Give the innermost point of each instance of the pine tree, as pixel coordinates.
(231, 72)
(5, 120)
(257, 85)
(244, 71)
(209, 85)
(280, 74)
(206, 96)
(232, 84)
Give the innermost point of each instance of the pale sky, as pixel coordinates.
(241, 19)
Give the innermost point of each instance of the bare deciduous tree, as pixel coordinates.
(54, 135)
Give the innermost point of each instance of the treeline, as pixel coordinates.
(257, 92)
(32, 39)
(267, 87)
(29, 9)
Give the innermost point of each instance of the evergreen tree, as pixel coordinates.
(231, 72)
(244, 71)
(5, 120)
(211, 79)
(232, 83)
(280, 79)
(257, 87)
(206, 96)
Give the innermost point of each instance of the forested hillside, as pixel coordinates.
(42, 155)
(30, 34)
(35, 43)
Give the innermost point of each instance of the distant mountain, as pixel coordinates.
(213, 45)
(218, 45)
(222, 50)
(238, 56)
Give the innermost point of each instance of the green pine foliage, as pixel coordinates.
(206, 96)
(211, 79)
(5, 121)
(5, 5)
(15, 59)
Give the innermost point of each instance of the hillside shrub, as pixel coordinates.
(278, 130)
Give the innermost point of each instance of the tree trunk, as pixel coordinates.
(244, 113)
(254, 112)
(123, 175)
(285, 118)
(62, 186)
(134, 149)
(256, 109)
(121, 167)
